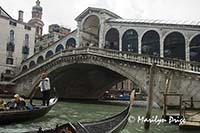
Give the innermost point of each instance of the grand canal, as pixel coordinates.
(71, 111)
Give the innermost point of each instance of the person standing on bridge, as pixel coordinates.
(45, 88)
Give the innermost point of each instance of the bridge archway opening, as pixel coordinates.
(90, 31)
(40, 59)
(195, 49)
(130, 41)
(49, 54)
(151, 43)
(83, 81)
(32, 64)
(71, 43)
(59, 48)
(174, 46)
(112, 39)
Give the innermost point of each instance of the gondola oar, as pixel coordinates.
(33, 94)
(132, 98)
(34, 90)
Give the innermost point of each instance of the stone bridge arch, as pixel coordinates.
(102, 67)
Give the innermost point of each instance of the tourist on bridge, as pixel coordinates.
(45, 89)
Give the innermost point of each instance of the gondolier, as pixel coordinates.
(45, 89)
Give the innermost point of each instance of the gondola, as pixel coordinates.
(113, 124)
(14, 116)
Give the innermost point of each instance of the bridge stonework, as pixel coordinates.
(87, 72)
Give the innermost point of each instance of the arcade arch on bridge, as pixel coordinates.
(151, 43)
(112, 39)
(59, 48)
(24, 68)
(32, 64)
(40, 59)
(71, 43)
(48, 54)
(195, 48)
(90, 31)
(174, 46)
(130, 41)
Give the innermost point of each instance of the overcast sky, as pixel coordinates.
(63, 12)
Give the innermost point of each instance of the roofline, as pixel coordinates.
(94, 8)
(160, 24)
(5, 12)
(10, 18)
(23, 23)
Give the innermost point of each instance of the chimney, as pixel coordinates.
(20, 17)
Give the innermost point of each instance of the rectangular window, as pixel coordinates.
(13, 23)
(27, 27)
(9, 61)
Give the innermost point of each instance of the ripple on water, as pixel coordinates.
(64, 112)
(125, 131)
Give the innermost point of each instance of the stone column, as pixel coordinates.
(161, 47)
(101, 34)
(120, 42)
(187, 50)
(139, 44)
(78, 36)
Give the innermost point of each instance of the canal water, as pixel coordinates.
(71, 111)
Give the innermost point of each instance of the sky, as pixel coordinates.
(63, 12)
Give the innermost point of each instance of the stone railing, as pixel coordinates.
(146, 59)
(126, 56)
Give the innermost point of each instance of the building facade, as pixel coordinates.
(56, 33)
(17, 39)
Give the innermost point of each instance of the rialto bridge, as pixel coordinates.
(106, 49)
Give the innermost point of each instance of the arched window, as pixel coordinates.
(112, 39)
(151, 43)
(195, 49)
(25, 48)
(130, 41)
(26, 40)
(174, 46)
(12, 36)
(38, 30)
(49, 54)
(59, 48)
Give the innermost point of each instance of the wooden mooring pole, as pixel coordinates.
(150, 97)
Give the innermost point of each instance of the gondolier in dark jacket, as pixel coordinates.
(45, 89)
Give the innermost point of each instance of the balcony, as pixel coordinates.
(10, 46)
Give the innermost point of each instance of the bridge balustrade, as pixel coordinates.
(167, 62)
(132, 57)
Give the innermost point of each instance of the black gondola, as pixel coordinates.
(112, 124)
(14, 116)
